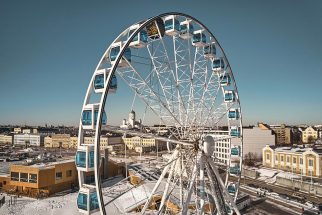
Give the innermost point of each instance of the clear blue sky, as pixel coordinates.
(49, 49)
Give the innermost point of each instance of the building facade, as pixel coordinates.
(7, 139)
(107, 142)
(283, 134)
(305, 161)
(145, 144)
(309, 134)
(256, 138)
(39, 179)
(29, 139)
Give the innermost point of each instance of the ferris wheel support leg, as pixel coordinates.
(172, 170)
(214, 194)
(202, 185)
(227, 195)
(165, 170)
(190, 190)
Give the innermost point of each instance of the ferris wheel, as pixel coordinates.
(176, 67)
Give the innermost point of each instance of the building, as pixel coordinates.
(256, 138)
(60, 140)
(309, 134)
(29, 139)
(305, 161)
(26, 131)
(73, 142)
(283, 134)
(150, 144)
(48, 142)
(107, 142)
(131, 123)
(222, 147)
(7, 139)
(41, 179)
(17, 130)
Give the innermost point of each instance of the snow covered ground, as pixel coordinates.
(60, 205)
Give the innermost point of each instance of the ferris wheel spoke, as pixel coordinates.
(166, 189)
(224, 189)
(183, 79)
(190, 188)
(173, 158)
(216, 193)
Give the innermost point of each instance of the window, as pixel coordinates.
(59, 175)
(310, 162)
(267, 156)
(81, 159)
(276, 158)
(287, 159)
(294, 160)
(282, 158)
(301, 161)
(24, 177)
(69, 173)
(32, 178)
(15, 176)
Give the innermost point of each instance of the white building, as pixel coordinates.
(222, 147)
(131, 123)
(256, 138)
(29, 139)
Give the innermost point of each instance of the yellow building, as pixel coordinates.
(48, 142)
(306, 161)
(58, 140)
(113, 143)
(148, 143)
(41, 179)
(309, 134)
(5, 139)
(73, 142)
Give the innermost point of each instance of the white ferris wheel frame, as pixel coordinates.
(102, 102)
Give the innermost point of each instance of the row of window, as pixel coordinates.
(59, 175)
(24, 177)
(222, 145)
(311, 161)
(222, 150)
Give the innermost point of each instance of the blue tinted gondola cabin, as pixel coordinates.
(199, 38)
(87, 201)
(85, 158)
(186, 29)
(114, 52)
(229, 96)
(235, 131)
(90, 115)
(235, 170)
(235, 151)
(225, 80)
(231, 188)
(100, 80)
(140, 39)
(171, 25)
(218, 64)
(210, 50)
(233, 114)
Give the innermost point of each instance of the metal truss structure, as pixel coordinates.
(178, 69)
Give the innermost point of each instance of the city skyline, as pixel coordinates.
(50, 50)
